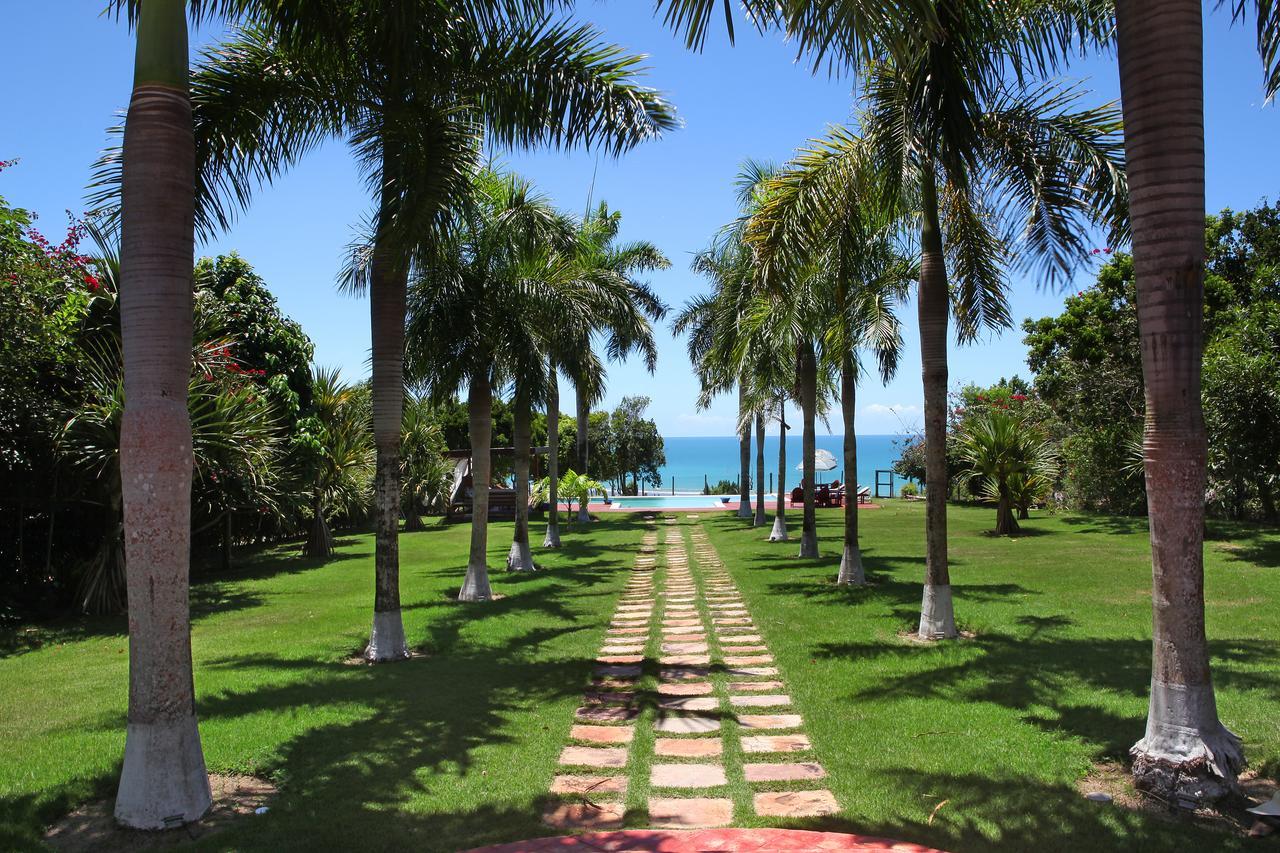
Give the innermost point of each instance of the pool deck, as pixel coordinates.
(730, 507)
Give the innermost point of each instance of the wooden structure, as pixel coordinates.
(502, 498)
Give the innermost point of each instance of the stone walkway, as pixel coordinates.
(715, 716)
(701, 841)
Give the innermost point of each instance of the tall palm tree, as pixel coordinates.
(164, 772)
(476, 315)
(1002, 449)
(410, 86)
(627, 328)
(1186, 753)
(826, 208)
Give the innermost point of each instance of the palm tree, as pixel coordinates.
(826, 209)
(425, 474)
(627, 328)
(410, 86)
(341, 463)
(1001, 448)
(1186, 753)
(477, 312)
(552, 537)
(163, 775)
(761, 516)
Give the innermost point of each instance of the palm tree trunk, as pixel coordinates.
(319, 541)
(1006, 523)
(937, 616)
(584, 424)
(388, 283)
(744, 455)
(552, 539)
(851, 571)
(1187, 754)
(475, 586)
(761, 517)
(520, 558)
(779, 532)
(809, 411)
(164, 775)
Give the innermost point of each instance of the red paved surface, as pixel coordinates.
(699, 840)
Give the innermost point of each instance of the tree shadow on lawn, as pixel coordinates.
(1125, 525)
(1016, 813)
(1041, 671)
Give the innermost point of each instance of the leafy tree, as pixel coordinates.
(574, 487)
(638, 445)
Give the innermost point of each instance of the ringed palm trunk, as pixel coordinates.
(475, 586)
(851, 571)
(319, 539)
(552, 539)
(164, 772)
(584, 424)
(809, 412)
(761, 517)
(520, 558)
(744, 455)
(1186, 754)
(779, 532)
(388, 283)
(937, 616)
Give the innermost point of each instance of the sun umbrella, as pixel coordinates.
(822, 461)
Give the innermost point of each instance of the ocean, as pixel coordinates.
(690, 459)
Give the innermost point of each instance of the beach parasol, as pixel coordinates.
(822, 461)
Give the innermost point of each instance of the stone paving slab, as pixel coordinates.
(611, 671)
(628, 649)
(685, 673)
(739, 639)
(621, 659)
(800, 771)
(681, 623)
(607, 714)
(602, 734)
(697, 688)
(584, 815)
(770, 721)
(703, 840)
(684, 660)
(690, 703)
(795, 803)
(589, 785)
(693, 724)
(593, 756)
(687, 747)
(689, 812)
(745, 686)
(687, 776)
(685, 648)
(752, 670)
(775, 743)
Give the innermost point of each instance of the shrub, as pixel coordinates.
(909, 490)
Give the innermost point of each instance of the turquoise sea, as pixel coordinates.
(690, 459)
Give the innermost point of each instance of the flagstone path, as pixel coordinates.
(686, 708)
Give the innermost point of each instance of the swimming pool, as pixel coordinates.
(676, 502)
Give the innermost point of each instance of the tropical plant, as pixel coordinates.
(335, 444)
(1008, 454)
(825, 211)
(574, 488)
(425, 475)
(412, 87)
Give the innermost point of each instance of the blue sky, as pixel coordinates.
(67, 70)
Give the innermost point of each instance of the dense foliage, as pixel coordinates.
(627, 451)
(1088, 372)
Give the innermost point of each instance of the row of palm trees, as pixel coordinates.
(995, 173)
(415, 87)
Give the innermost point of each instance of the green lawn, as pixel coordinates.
(456, 748)
(1001, 726)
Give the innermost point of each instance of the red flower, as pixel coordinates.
(92, 281)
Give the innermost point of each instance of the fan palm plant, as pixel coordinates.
(425, 475)
(1007, 453)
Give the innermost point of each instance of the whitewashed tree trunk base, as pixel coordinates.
(809, 543)
(937, 617)
(520, 558)
(779, 532)
(164, 782)
(386, 641)
(584, 516)
(552, 539)
(475, 586)
(744, 509)
(1187, 756)
(851, 571)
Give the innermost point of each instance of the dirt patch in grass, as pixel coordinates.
(92, 827)
(911, 636)
(1114, 780)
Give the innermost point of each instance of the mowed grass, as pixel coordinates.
(979, 744)
(451, 749)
